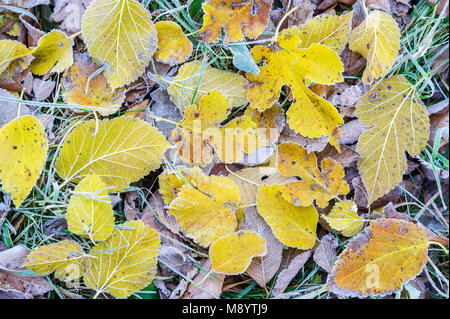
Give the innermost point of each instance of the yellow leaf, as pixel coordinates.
(398, 121)
(204, 209)
(378, 261)
(52, 54)
(66, 258)
(283, 63)
(233, 253)
(319, 185)
(195, 80)
(171, 183)
(121, 151)
(15, 57)
(90, 212)
(173, 45)
(125, 262)
(330, 30)
(377, 39)
(24, 151)
(294, 226)
(121, 35)
(345, 219)
(237, 19)
(10, 24)
(98, 95)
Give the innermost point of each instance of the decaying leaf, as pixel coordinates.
(283, 63)
(125, 262)
(194, 80)
(173, 45)
(16, 57)
(377, 39)
(52, 54)
(119, 34)
(237, 19)
(325, 253)
(121, 151)
(66, 258)
(380, 260)
(330, 30)
(262, 269)
(24, 151)
(398, 122)
(345, 219)
(204, 209)
(232, 253)
(294, 226)
(90, 212)
(97, 94)
(319, 185)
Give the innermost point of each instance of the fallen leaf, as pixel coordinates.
(173, 45)
(126, 262)
(325, 253)
(174, 260)
(24, 151)
(118, 164)
(164, 108)
(377, 39)
(68, 13)
(15, 58)
(120, 34)
(42, 89)
(211, 287)
(346, 158)
(398, 122)
(294, 226)
(351, 131)
(9, 110)
(380, 260)
(90, 212)
(170, 183)
(311, 144)
(233, 253)
(237, 19)
(26, 4)
(345, 219)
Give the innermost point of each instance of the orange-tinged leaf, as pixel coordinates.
(398, 121)
(330, 30)
(173, 45)
(15, 57)
(377, 39)
(53, 53)
(90, 212)
(236, 18)
(66, 258)
(24, 151)
(120, 151)
(319, 185)
(233, 253)
(98, 96)
(204, 209)
(119, 34)
(126, 262)
(294, 226)
(380, 260)
(284, 63)
(345, 219)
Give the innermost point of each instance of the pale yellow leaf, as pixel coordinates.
(345, 219)
(15, 57)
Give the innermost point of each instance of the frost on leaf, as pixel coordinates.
(24, 151)
(377, 39)
(15, 57)
(120, 151)
(171, 183)
(294, 226)
(98, 96)
(398, 121)
(380, 260)
(66, 258)
(330, 30)
(284, 63)
(125, 262)
(319, 185)
(173, 45)
(90, 212)
(236, 18)
(53, 53)
(121, 35)
(233, 253)
(205, 208)
(194, 80)
(345, 219)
